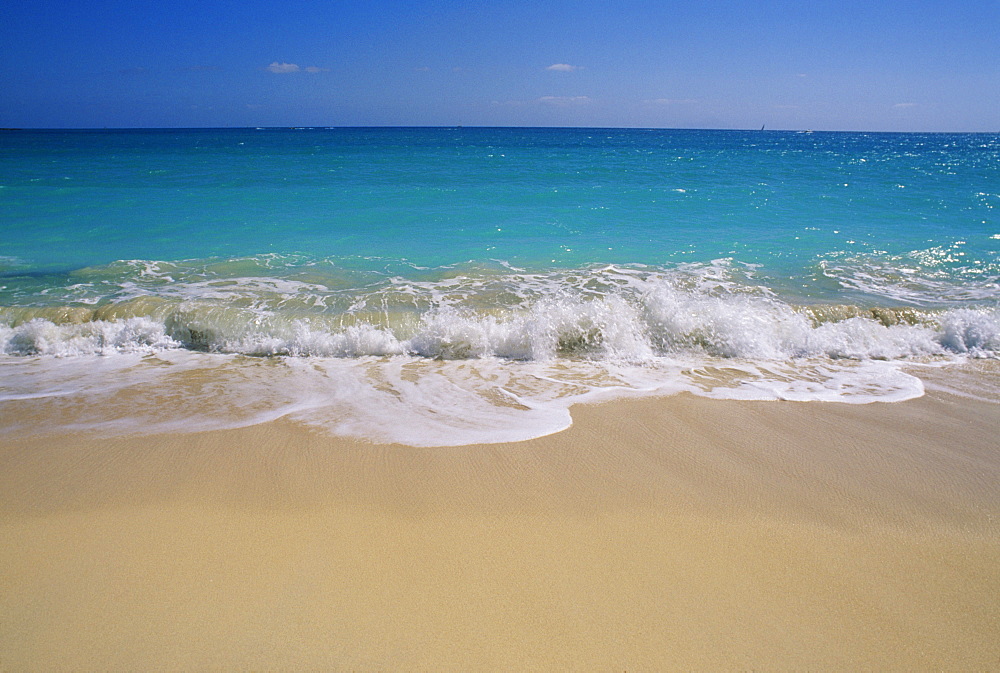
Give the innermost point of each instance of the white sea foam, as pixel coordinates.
(404, 399)
(42, 337)
(972, 331)
(931, 277)
(464, 359)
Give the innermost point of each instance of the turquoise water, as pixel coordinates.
(764, 265)
(534, 197)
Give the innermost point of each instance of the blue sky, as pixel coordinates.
(851, 65)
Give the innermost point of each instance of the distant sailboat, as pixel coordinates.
(762, 127)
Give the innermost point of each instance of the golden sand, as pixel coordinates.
(656, 534)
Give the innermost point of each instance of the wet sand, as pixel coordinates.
(655, 534)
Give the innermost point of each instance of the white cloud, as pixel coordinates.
(564, 100)
(563, 67)
(282, 67)
(672, 101)
(904, 105)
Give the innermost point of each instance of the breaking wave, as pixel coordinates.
(462, 357)
(612, 314)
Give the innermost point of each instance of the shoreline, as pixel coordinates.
(675, 532)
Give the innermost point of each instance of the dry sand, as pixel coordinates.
(655, 534)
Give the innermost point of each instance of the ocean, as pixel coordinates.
(448, 286)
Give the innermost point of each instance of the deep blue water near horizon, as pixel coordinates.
(638, 255)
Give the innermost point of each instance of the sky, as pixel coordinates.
(874, 65)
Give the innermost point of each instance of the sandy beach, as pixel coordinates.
(654, 534)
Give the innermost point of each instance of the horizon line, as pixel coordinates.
(464, 126)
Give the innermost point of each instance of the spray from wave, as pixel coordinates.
(464, 358)
(609, 313)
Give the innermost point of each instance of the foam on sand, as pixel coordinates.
(465, 358)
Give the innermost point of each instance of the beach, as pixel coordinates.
(515, 336)
(490, 398)
(660, 533)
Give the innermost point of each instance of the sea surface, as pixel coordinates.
(444, 286)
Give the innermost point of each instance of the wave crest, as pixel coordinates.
(625, 325)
